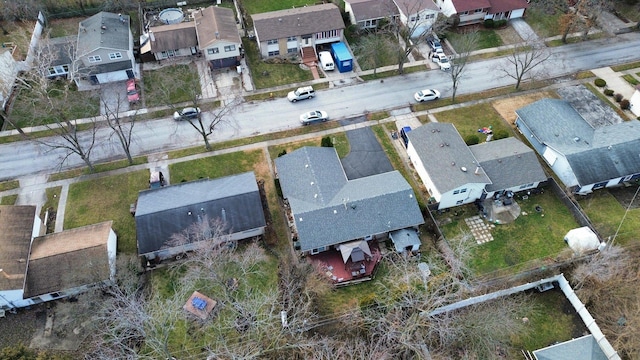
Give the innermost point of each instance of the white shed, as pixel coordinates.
(582, 240)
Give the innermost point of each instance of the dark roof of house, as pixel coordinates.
(508, 163)
(174, 36)
(328, 209)
(163, 212)
(594, 154)
(104, 68)
(103, 30)
(445, 156)
(467, 5)
(68, 259)
(593, 110)
(583, 348)
(60, 50)
(17, 224)
(499, 6)
(372, 9)
(409, 7)
(298, 21)
(214, 24)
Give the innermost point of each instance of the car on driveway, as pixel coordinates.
(434, 43)
(313, 117)
(132, 91)
(442, 60)
(426, 95)
(186, 113)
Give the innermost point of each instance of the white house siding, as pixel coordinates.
(563, 170)
(472, 192)
(161, 55)
(222, 54)
(422, 173)
(112, 243)
(635, 102)
(112, 76)
(348, 10)
(518, 13)
(446, 6)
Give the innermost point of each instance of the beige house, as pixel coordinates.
(168, 41)
(287, 32)
(104, 51)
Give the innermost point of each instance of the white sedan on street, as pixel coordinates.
(426, 95)
(313, 117)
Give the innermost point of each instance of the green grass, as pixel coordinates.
(8, 200)
(486, 39)
(543, 23)
(631, 79)
(107, 198)
(627, 66)
(584, 75)
(261, 6)
(215, 166)
(267, 75)
(98, 168)
(575, 39)
(28, 110)
(469, 119)
(385, 74)
(8, 185)
(606, 213)
(340, 143)
(53, 199)
(171, 85)
(537, 235)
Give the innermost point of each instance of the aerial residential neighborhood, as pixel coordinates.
(352, 179)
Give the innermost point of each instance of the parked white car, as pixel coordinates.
(442, 60)
(426, 95)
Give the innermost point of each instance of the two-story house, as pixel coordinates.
(417, 15)
(104, 50)
(286, 32)
(477, 11)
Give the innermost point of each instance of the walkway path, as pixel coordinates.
(615, 81)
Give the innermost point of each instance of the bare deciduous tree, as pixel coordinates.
(121, 128)
(524, 60)
(463, 45)
(372, 50)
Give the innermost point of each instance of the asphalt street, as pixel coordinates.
(253, 118)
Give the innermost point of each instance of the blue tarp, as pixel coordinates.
(344, 60)
(199, 303)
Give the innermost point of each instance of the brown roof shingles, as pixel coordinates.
(173, 37)
(372, 9)
(68, 259)
(216, 23)
(410, 7)
(299, 21)
(498, 6)
(16, 228)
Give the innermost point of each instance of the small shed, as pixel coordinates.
(582, 240)
(342, 56)
(405, 240)
(356, 250)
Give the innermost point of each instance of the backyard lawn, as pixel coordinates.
(536, 235)
(171, 85)
(606, 213)
(262, 6)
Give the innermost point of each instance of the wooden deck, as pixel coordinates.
(331, 264)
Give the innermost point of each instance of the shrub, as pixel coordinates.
(326, 142)
(472, 140)
(618, 97)
(608, 92)
(600, 82)
(624, 104)
(500, 134)
(282, 153)
(500, 23)
(489, 24)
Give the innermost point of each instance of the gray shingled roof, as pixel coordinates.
(16, 229)
(444, 154)
(594, 154)
(298, 21)
(55, 260)
(409, 7)
(162, 212)
(60, 49)
(583, 348)
(594, 111)
(343, 210)
(103, 30)
(214, 24)
(104, 68)
(508, 163)
(372, 9)
(174, 36)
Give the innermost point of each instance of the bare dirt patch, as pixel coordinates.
(509, 35)
(626, 196)
(507, 107)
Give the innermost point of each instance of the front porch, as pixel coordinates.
(331, 263)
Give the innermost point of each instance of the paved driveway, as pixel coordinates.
(524, 30)
(114, 96)
(366, 157)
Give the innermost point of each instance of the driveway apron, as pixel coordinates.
(113, 97)
(524, 30)
(366, 157)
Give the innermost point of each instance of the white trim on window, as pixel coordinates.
(94, 58)
(115, 55)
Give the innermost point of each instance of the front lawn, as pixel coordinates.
(215, 166)
(487, 39)
(543, 18)
(340, 143)
(469, 119)
(107, 198)
(171, 85)
(266, 75)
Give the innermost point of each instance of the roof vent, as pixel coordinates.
(335, 211)
(280, 19)
(576, 139)
(315, 196)
(464, 169)
(103, 27)
(609, 147)
(441, 144)
(453, 163)
(312, 183)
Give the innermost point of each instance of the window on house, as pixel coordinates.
(95, 58)
(455, 192)
(413, 18)
(463, 191)
(274, 53)
(213, 51)
(229, 48)
(459, 202)
(429, 16)
(292, 38)
(115, 56)
(59, 70)
(464, 13)
(272, 42)
(478, 10)
(292, 50)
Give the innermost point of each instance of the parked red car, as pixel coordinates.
(132, 91)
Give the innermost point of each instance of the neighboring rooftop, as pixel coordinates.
(216, 24)
(298, 21)
(103, 30)
(372, 9)
(17, 225)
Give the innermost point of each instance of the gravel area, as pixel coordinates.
(20, 327)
